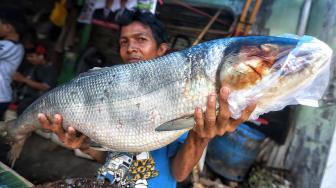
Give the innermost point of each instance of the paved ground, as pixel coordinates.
(43, 161)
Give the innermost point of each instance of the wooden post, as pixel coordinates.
(252, 17)
(207, 27)
(198, 11)
(241, 23)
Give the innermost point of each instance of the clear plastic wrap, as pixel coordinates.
(301, 77)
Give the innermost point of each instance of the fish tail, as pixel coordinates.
(3, 129)
(5, 126)
(13, 138)
(15, 151)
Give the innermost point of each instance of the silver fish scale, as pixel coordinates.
(119, 107)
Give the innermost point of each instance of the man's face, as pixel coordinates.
(108, 3)
(3, 28)
(35, 59)
(137, 43)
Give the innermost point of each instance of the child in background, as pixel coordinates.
(35, 77)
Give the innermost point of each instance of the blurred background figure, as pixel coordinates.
(11, 52)
(34, 77)
(105, 13)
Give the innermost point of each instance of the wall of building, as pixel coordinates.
(314, 127)
(284, 17)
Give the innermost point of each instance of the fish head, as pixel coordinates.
(248, 64)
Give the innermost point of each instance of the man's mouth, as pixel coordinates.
(133, 60)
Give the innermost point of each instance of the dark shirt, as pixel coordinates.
(103, 14)
(25, 94)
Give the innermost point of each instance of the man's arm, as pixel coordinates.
(34, 84)
(204, 130)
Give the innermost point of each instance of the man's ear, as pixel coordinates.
(163, 48)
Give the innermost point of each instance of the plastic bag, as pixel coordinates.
(301, 77)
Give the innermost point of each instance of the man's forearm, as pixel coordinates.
(99, 156)
(188, 156)
(37, 85)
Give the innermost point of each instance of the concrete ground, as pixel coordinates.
(43, 161)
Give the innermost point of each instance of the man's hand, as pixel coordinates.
(217, 125)
(19, 77)
(205, 129)
(68, 137)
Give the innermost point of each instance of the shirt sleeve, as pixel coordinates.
(5, 48)
(11, 55)
(176, 145)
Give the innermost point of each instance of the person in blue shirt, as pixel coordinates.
(11, 52)
(144, 38)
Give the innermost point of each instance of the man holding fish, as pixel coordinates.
(144, 38)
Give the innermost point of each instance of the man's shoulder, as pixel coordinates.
(9, 43)
(9, 46)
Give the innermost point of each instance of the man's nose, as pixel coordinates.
(132, 47)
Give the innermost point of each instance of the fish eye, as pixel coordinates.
(268, 47)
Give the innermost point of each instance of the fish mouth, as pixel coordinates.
(251, 64)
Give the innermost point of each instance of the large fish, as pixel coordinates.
(146, 105)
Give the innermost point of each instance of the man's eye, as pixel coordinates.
(122, 42)
(141, 39)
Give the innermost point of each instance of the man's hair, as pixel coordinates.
(158, 29)
(15, 17)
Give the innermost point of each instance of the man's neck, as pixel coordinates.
(12, 37)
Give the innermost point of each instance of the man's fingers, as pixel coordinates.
(224, 111)
(68, 137)
(233, 126)
(58, 119)
(248, 111)
(82, 142)
(82, 138)
(71, 140)
(210, 116)
(57, 126)
(244, 117)
(71, 134)
(199, 121)
(44, 121)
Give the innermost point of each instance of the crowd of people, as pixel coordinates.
(142, 37)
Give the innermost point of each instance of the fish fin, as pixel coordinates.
(15, 151)
(92, 71)
(95, 68)
(99, 148)
(16, 141)
(177, 124)
(96, 146)
(3, 129)
(4, 126)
